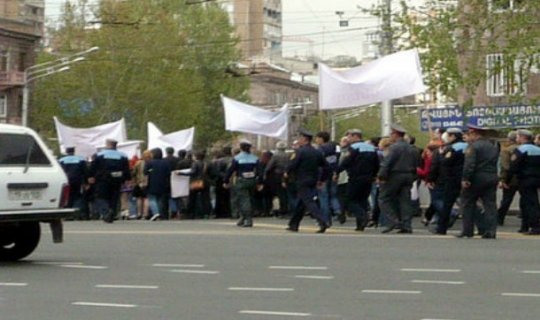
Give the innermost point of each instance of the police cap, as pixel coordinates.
(525, 133)
(356, 132)
(306, 133)
(245, 142)
(397, 128)
(473, 127)
(454, 131)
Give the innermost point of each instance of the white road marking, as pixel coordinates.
(297, 268)
(517, 294)
(430, 270)
(531, 271)
(438, 282)
(54, 263)
(300, 276)
(194, 271)
(81, 266)
(13, 284)
(121, 286)
(261, 289)
(393, 291)
(100, 304)
(167, 265)
(275, 313)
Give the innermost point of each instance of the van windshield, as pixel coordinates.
(21, 150)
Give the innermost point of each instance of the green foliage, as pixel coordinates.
(453, 41)
(160, 61)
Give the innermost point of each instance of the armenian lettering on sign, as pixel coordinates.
(498, 117)
(447, 117)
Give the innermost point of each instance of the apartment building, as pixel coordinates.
(21, 28)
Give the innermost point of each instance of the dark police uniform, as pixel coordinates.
(480, 170)
(247, 169)
(362, 165)
(452, 160)
(525, 164)
(309, 167)
(397, 174)
(110, 169)
(75, 168)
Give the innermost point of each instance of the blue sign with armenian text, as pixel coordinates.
(447, 117)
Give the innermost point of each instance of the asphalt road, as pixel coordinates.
(213, 270)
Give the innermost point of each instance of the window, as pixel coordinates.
(501, 5)
(19, 150)
(3, 106)
(4, 60)
(504, 77)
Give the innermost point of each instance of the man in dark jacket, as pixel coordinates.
(310, 170)
(362, 165)
(479, 181)
(396, 176)
(158, 171)
(108, 171)
(75, 168)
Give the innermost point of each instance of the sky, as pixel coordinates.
(310, 27)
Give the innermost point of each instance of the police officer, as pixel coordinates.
(362, 165)
(451, 164)
(75, 168)
(248, 177)
(525, 164)
(310, 170)
(396, 176)
(479, 182)
(108, 171)
(512, 186)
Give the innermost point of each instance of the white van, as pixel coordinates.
(33, 189)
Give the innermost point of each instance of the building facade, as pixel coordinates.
(21, 28)
(258, 24)
(504, 56)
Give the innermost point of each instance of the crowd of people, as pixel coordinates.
(375, 181)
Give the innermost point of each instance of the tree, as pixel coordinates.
(453, 38)
(161, 61)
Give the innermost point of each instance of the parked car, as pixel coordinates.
(33, 189)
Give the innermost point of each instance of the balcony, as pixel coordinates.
(11, 79)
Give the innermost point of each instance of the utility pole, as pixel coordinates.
(386, 49)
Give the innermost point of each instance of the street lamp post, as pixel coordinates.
(46, 69)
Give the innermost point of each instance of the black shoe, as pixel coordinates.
(522, 230)
(462, 235)
(533, 232)
(240, 223)
(405, 231)
(388, 229)
(437, 232)
(342, 218)
(292, 229)
(322, 228)
(488, 235)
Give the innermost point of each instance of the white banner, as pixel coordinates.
(179, 140)
(391, 77)
(87, 140)
(246, 118)
(131, 148)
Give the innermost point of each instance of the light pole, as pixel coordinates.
(46, 69)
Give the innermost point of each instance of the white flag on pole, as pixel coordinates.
(87, 140)
(179, 140)
(249, 119)
(391, 77)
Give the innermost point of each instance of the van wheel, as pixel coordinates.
(18, 240)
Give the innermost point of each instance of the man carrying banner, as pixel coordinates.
(108, 171)
(311, 170)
